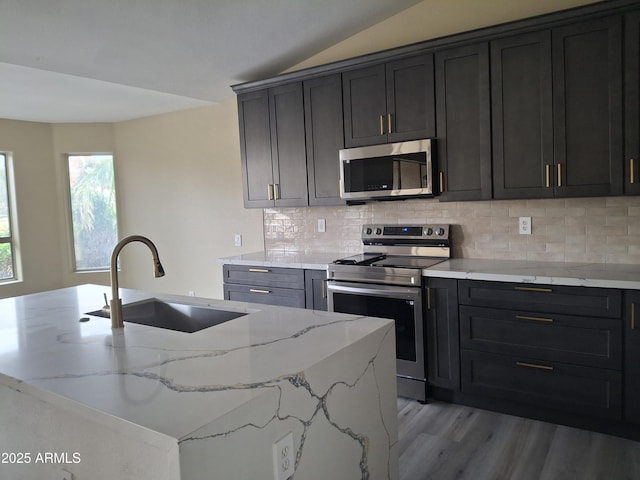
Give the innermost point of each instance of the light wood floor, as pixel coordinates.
(441, 441)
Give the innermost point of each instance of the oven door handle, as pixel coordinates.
(367, 289)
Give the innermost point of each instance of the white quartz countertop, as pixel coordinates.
(166, 381)
(553, 273)
(278, 258)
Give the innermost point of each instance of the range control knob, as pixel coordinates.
(440, 231)
(428, 231)
(368, 231)
(378, 231)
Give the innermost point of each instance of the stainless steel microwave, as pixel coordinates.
(392, 170)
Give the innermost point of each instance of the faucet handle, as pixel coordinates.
(106, 309)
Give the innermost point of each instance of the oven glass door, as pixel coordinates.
(402, 304)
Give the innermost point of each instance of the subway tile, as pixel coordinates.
(586, 202)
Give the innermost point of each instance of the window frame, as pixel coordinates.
(6, 159)
(69, 201)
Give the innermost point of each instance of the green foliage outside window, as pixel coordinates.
(93, 210)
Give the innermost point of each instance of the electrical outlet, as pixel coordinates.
(237, 240)
(322, 225)
(192, 293)
(65, 475)
(525, 225)
(283, 458)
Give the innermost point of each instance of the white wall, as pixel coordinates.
(31, 146)
(179, 183)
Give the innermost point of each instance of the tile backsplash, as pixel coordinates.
(594, 230)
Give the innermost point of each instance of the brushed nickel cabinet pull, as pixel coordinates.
(259, 270)
(441, 181)
(559, 175)
(389, 130)
(534, 365)
(428, 298)
(276, 191)
(381, 124)
(534, 319)
(324, 288)
(533, 289)
(547, 175)
(632, 173)
(270, 191)
(257, 290)
(633, 316)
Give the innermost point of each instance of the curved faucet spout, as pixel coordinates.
(158, 271)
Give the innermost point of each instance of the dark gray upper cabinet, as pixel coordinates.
(325, 137)
(272, 145)
(522, 117)
(255, 148)
(632, 104)
(464, 123)
(389, 102)
(587, 104)
(632, 356)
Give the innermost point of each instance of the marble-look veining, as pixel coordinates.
(551, 273)
(227, 392)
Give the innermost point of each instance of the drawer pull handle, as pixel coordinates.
(381, 124)
(389, 123)
(259, 270)
(535, 319)
(256, 290)
(428, 298)
(533, 289)
(632, 173)
(547, 175)
(270, 191)
(534, 365)
(559, 174)
(441, 181)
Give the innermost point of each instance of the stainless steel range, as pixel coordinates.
(386, 281)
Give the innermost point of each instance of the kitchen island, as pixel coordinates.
(153, 403)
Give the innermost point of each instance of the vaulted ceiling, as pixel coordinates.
(113, 60)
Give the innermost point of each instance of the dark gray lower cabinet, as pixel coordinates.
(268, 285)
(442, 333)
(284, 287)
(546, 346)
(315, 286)
(632, 356)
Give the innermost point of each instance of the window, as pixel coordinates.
(93, 210)
(7, 255)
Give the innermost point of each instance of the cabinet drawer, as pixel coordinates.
(283, 297)
(593, 302)
(588, 341)
(264, 276)
(547, 385)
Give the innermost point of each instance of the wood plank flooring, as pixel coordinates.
(441, 441)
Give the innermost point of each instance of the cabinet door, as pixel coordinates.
(587, 86)
(442, 333)
(288, 145)
(255, 148)
(364, 106)
(632, 104)
(325, 137)
(410, 99)
(632, 356)
(316, 289)
(464, 130)
(522, 116)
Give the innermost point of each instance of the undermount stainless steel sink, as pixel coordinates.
(172, 316)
